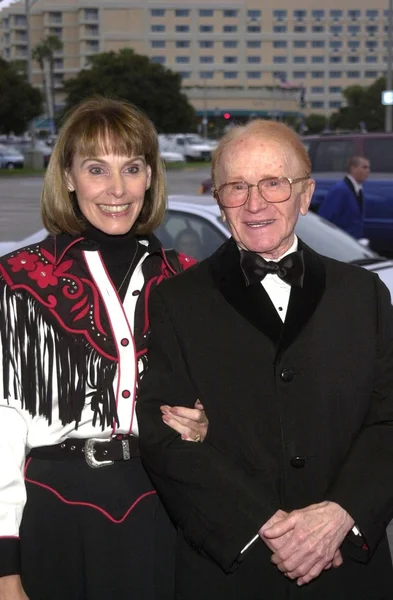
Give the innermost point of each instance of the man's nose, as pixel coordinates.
(255, 200)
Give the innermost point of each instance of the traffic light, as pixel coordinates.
(227, 115)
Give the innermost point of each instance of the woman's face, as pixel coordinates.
(110, 189)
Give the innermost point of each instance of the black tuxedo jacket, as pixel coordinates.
(298, 413)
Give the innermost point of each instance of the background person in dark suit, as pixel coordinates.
(291, 354)
(343, 205)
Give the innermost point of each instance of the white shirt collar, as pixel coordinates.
(356, 185)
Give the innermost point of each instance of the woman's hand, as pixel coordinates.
(191, 423)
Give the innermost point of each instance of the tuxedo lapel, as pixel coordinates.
(303, 301)
(252, 302)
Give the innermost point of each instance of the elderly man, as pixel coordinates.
(291, 353)
(344, 202)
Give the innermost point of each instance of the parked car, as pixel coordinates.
(191, 145)
(330, 153)
(11, 158)
(193, 224)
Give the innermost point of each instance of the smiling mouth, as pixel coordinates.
(114, 208)
(256, 224)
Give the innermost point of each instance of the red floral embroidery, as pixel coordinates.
(24, 260)
(44, 275)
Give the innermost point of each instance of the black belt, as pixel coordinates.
(97, 452)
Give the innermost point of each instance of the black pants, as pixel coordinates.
(115, 541)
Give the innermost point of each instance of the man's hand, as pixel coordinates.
(191, 423)
(315, 536)
(11, 588)
(275, 543)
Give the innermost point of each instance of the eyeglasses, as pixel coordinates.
(272, 189)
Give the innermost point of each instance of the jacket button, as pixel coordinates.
(286, 375)
(298, 462)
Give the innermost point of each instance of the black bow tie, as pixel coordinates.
(290, 268)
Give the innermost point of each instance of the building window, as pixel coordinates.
(182, 44)
(317, 104)
(58, 63)
(20, 20)
(90, 14)
(336, 14)
(92, 45)
(318, 14)
(299, 59)
(300, 29)
(230, 74)
(182, 28)
(299, 14)
(334, 89)
(56, 32)
(371, 44)
(299, 44)
(206, 28)
(206, 12)
(353, 74)
(206, 44)
(157, 12)
(253, 74)
(253, 44)
(229, 13)
(182, 59)
(371, 58)
(253, 29)
(353, 29)
(281, 75)
(280, 14)
(206, 59)
(279, 59)
(353, 14)
(317, 28)
(280, 44)
(229, 28)
(55, 17)
(335, 59)
(299, 74)
(336, 29)
(317, 59)
(229, 44)
(317, 89)
(158, 43)
(206, 74)
(253, 59)
(254, 14)
(371, 74)
(335, 44)
(335, 74)
(182, 12)
(185, 74)
(372, 29)
(318, 44)
(334, 104)
(353, 44)
(371, 14)
(317, 74)
(157, 28)
(279, 28)
(352, 59)
(158, 59)
(230, 59)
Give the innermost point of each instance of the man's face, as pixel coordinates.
(258, 225)
(361, 171)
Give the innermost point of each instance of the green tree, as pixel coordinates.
(129, 76)
(44, 53)
(363, 105)
(315, 123)
(20, 102)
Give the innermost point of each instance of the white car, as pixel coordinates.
(10, 158)
(193, 225)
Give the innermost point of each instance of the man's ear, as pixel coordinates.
(306, 196)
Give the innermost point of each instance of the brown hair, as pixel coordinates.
(100, 126)
(271, 131)
(354, 161)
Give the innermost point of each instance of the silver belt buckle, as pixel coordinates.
(89, 449)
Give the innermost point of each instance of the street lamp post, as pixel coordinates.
(389, 78)
(204, 119)
(28, 5)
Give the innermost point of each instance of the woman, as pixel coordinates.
(74, 329)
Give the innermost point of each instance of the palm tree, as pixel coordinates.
(43, 53)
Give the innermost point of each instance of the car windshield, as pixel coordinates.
(194, 140)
